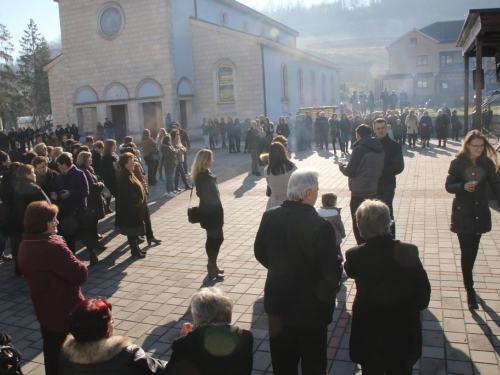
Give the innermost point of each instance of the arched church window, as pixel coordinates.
(225, 82)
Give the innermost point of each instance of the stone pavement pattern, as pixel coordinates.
(151, 296)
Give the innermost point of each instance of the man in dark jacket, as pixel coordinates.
(323, 127)
(393, 165)
(364, 170)
(393, 100)
(295, 245)
(384, 98)
(30, 135)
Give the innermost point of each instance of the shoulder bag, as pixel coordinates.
(193, 212)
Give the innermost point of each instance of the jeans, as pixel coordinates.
(290, 344)
(412, 138)
(180, 172)
(216, 140)
(238, 143)
(386, 194)
(469, 247)
(354, 204)
(232, 145)
(52, 344)
(109, 133)
(152, 166)
(169, 177)
(207, 140)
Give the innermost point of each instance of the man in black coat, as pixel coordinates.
(323, 127)
(296, 246)
(384, 98)
(393, 100)
(393, 165)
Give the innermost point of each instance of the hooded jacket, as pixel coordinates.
(365, 167)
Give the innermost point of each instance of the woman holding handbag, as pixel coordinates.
(211, 213)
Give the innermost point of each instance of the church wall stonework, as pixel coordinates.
(142, 50)
(209, 47)
(57, 95)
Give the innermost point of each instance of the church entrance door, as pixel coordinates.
(119, 119)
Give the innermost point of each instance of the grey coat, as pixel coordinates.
(365, 166)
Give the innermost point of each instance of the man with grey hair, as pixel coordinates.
(364, 170)
(296, 246)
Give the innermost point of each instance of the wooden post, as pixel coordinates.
(479, 81)
(466, 94)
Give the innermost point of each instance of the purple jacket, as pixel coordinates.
(75, 182)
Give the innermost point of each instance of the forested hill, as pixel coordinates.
(354, 33)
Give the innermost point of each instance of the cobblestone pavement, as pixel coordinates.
(151, 296)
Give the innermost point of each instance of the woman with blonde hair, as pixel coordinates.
(56, 151)
(210, 209)
(411, 123)
(475, 166)
(161, 134)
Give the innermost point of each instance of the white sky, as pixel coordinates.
(16, 14)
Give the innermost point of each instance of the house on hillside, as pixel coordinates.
(135, 61)
(427, 64)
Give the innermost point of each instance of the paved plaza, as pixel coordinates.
(151, 296)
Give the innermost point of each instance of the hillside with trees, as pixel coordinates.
(355, 33)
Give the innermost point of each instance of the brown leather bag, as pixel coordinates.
(193, 212)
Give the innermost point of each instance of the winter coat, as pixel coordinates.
(148, 146)
(47, 182)
(9, 217)
(211, 211)
(365, 167)
(253, 139)
(296, 246)
(426, 128)
(97, 164)
(179, 151)
(332, 215)
(75, 182)
(345, 126)
(131, 205)
(398, 130)
(169, 158)
(442, 125)
(322, 124)
(54, 276)
(283, 129)
(412, 124)
(470, 211)
(394, 162)
(194, 354)
(109, 173)
(334, 127)
(278, 185)
(108, 356)
(455, 123)
(391, 289)
(96, 205)
(26, 192)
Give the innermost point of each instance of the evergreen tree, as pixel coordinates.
(34, 82)
(7, 77)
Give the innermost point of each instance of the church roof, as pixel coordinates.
(444, 32)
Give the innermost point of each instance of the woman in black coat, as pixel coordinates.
(45, 177)
(108, 163)
(391, 289)
(132, 212)
(425, 128)
(96, 205)
(442, 125)
(211, 346)
(210, 209)
(475, 166)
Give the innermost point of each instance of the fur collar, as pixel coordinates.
(94, 351)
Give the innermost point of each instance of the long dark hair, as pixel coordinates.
(278, 161)
(146, 134)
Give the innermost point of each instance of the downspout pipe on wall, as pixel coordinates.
(263, 78)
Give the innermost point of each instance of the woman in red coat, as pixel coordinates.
(54, 276)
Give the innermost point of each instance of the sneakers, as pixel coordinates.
(171, 195)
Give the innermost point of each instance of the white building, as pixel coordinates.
(134, 61)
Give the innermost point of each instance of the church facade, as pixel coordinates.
(134, 61)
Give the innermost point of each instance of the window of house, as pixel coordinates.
(422, 60)
(313, 86)
(323, 89)
(284, 82)
(422, 83)
(332, 88)
(446, 59)
(444, 85)
(301, 86)
(413, 41)
(223, 18)
(225, 84)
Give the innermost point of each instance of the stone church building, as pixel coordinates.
(134, 61)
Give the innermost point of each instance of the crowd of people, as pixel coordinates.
(67, 189)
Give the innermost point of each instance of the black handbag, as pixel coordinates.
(193, 212)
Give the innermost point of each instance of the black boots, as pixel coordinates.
(471, 299)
